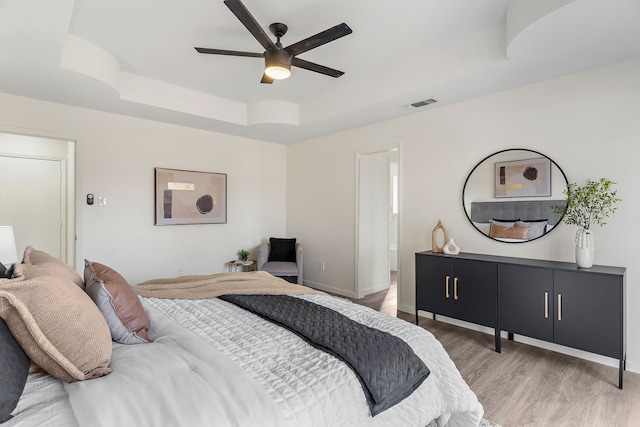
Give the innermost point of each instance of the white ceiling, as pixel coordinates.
(136, 57)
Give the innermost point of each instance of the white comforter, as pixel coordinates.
(232, 368)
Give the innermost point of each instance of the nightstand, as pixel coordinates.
(249, 264)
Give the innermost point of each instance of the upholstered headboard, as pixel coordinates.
(528, 210)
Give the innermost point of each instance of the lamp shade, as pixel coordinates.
(8, 253)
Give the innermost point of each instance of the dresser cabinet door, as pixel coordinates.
(455, 287)
(474, 291)
(526, 301)
(432, 292)
(588, 313)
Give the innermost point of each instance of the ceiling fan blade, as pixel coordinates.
(266, 79)
(319, 39)
(228, 52)
(250, 23)
(315, 67)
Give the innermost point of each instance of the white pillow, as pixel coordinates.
(483, 227)
(536, 229)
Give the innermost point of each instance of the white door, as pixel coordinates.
(32, 200)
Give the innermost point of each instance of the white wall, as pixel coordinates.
(588, 123)
(115, 158)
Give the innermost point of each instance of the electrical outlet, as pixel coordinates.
(322, 266)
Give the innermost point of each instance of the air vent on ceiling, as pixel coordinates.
(420, 104)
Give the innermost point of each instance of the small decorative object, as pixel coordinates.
(451, 248)
(587, 205)
(243, 254)
(434, 237)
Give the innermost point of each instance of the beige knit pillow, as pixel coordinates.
(46, 263)
(57, 324)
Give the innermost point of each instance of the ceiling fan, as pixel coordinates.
(278, 59)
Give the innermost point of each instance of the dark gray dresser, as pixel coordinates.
(547, 300)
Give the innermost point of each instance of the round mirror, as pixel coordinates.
(509, 196)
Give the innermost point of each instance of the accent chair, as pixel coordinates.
(282, 258)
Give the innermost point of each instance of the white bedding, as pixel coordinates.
(44, 403)
(224, 366)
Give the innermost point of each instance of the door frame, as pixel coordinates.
(67, 164)
(359, 289)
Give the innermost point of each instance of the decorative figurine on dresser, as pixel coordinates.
(449, 247)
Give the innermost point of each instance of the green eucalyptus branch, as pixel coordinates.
(589, 204)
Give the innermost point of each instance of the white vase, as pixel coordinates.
(584, 248)
(450, 248)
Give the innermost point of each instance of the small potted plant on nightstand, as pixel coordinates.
(588, 205)
(243, 254)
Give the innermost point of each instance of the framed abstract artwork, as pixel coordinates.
(523, 178)
(189, 197)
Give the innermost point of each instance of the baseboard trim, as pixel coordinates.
(406, 308)
(330, 289)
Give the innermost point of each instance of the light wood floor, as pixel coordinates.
(529, 386)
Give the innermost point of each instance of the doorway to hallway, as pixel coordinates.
(378, 224)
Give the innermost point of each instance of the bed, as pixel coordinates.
(525, 219)
(203, 360)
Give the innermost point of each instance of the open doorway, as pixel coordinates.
(393, 220)
(377, 228)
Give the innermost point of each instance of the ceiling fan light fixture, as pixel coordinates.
(277, 72)
(277, 64)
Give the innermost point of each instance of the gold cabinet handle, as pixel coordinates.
(559, 306)
(455, 288)
(446, 292)
(546, 305)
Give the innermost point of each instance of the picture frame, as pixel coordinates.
(523, 178)
(190, 197)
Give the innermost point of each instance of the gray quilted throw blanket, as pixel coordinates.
(386, 366)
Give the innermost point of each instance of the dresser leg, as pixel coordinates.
(620, 373)
(498, 341)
